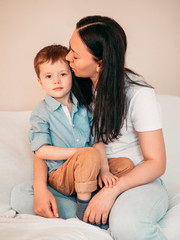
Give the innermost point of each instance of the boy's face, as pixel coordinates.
(56, 80)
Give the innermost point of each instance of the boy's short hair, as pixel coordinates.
(51, 53)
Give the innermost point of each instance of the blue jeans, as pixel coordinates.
(136, 213)
(22, 197)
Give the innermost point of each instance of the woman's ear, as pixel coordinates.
(99, 65)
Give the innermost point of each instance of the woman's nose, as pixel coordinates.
(69, 56)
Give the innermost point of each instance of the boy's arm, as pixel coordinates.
(49, 152)
(40, 140)
(45, 204)
(105, 176)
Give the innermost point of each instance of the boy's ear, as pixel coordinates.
(99, 65)
(39, 80)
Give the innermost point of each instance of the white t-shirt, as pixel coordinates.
(142, 115)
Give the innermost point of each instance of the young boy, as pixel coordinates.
(60, 132)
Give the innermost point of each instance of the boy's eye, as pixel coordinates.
(48, 76)
(63, 74)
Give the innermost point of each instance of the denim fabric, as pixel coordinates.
(22, 197)
(137, 213)
(52, 124)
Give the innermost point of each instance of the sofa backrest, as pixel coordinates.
(16, 158)
(170, 108)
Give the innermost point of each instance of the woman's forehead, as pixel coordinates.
(77, 45)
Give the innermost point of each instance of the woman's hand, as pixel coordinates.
(100, 205)
(45, 204)
(106, 177)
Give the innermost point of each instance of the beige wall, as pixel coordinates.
(152, 27)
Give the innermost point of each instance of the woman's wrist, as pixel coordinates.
(113, 191)
(124, 183)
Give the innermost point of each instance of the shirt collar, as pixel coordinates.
(54, 104)
(74, 100)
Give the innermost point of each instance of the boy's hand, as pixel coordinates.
(107, 178)
(45, 204)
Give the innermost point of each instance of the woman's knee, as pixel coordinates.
(128, 225)
(137, 211)
(131, 227)
(22, 198)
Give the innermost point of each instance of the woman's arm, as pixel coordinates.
(154, 165)
(153, 150)
(49, 152)
(100, 147)
(45, 204)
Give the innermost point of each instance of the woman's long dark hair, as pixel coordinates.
(106, 40)
(82, 89)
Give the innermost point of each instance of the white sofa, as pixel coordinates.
(16, 161)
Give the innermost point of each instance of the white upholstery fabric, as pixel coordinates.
(170, 108)
(16, 158)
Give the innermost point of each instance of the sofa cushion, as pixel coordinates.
(16, 158)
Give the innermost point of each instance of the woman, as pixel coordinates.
(126, 119)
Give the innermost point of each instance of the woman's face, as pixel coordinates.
(81, 60)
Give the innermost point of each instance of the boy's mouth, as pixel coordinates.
(57, 88)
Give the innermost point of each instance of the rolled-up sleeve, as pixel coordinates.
(39, 132)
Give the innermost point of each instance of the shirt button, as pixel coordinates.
(77, 140)
(73, 125)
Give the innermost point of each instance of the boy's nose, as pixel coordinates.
(57, 78)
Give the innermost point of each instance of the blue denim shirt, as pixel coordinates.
(51, 124)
